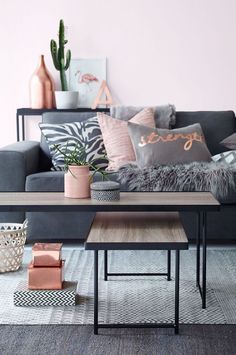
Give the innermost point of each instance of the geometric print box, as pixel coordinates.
(105, 191)
(228, 157)
(35, 298)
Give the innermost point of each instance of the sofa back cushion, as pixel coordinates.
(216, 126)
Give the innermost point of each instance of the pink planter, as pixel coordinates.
(77, 182)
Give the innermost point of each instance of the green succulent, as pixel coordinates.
(77, 156)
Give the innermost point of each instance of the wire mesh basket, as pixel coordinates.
(12, 241)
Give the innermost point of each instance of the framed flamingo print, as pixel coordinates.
(86, 76)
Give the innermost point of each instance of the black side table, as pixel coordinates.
(22, 112)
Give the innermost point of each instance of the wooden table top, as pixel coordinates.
(142, 231)
(129, 201)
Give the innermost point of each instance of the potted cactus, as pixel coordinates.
(65, 99)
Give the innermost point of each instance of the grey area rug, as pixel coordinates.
(132, 299)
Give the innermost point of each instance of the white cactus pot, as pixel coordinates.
(67, 99)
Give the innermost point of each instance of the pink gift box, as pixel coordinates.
(45, 278)
(47, 254)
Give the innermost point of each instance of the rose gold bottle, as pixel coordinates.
(42, 87)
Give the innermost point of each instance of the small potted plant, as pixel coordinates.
(65, 99)
(78, 172)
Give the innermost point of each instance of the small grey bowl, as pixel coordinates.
(105, 191)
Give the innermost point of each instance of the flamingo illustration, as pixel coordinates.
(85, 78)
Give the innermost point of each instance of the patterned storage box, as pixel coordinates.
(31, 298)
(105, 191)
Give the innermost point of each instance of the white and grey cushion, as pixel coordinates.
(226, 157)
(86, 134)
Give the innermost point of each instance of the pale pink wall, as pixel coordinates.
(158, 51)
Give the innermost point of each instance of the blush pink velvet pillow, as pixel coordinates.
(116, 138)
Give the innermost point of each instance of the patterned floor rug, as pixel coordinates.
(132, 299)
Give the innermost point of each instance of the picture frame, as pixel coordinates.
(86, 76)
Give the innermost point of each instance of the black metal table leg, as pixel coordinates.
(17, 128)
(198, 249)
(174, 325)
(177, 252)
(23, 127)
(167, 273)
(204, 251)
(105, 264)
(95, 291)
(168, 265)
(202, 232)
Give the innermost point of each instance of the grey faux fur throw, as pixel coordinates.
(197, 176)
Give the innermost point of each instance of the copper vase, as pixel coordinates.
(42, 87)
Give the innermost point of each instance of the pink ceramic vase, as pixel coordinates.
(42, 87)
(77, 182)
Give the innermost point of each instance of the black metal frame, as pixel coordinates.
(22, 112)
(201, 234)
(174, 325)
(168, 273)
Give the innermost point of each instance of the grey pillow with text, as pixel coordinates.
(164, 146)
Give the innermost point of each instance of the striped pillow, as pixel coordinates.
(116, 137)
(86, 133)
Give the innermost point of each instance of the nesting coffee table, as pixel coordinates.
(199, 202)
(137, 231)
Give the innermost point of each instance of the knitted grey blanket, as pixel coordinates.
(217, 178)
(164, 115)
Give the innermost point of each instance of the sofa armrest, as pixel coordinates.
(16, 162)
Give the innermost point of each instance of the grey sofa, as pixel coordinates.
(25, 166)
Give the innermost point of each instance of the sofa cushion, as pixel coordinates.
(164, 146)
(230, 142)
(116, 138)
(216, 126)
(54, 181)
(226, 157)
(69, 136)
(45, 181)
(58, 118)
